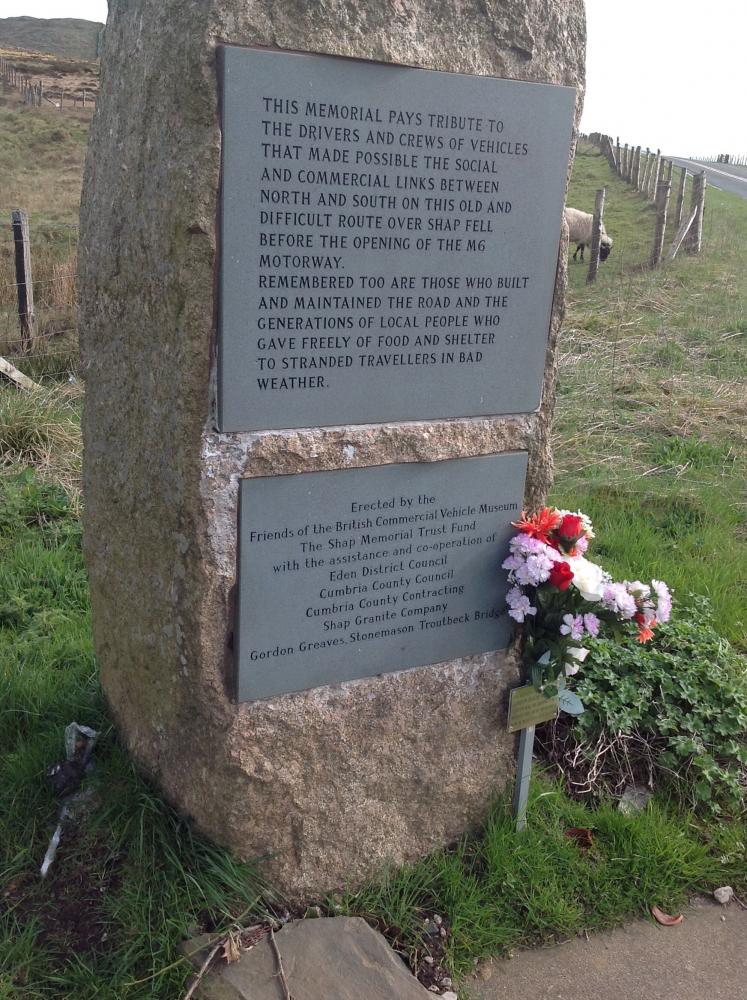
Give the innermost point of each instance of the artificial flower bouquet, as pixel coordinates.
(562, 598)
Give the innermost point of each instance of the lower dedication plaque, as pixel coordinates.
(356, 572)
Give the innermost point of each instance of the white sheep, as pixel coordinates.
(579, 232)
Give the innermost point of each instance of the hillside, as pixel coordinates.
(65, 36)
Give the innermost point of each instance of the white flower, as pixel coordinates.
(577, 653)
(588, 578)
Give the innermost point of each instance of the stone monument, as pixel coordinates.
(321, 281)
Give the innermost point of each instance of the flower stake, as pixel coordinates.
(560, 598)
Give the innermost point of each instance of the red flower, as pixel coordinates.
(646, 625)
(570, 528)
(645, 632)
(561, 575)
(538, 525)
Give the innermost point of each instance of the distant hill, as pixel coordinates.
(64, 36)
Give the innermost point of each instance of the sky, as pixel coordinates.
(667, 74)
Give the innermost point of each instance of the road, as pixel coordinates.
(720, 175)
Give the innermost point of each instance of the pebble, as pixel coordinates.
(724, 895)
(428, 959)
(437, 919)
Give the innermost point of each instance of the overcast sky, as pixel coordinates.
(663, 73)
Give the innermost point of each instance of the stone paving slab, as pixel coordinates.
(703, 958)
(336, 958)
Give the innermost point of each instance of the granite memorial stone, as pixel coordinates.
(334, 763)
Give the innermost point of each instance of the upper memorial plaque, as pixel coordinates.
(389, 240)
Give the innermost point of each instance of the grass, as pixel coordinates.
(132, 879)
(41, 429)
(651, 421)
(501, 889)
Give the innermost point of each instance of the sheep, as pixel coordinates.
(579, 227)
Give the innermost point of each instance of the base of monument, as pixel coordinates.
(326, 788)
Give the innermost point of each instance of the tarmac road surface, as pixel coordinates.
(720, 175)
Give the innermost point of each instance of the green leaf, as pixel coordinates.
(570, 703)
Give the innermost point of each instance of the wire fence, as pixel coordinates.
(652, 368)
(652, 176)
(38, 299)
(739, 160)
(36, 93)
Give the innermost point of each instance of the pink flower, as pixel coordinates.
(591, 624)
(615, 597)
(574, 626)
(530, 561)
(663, 600)
(519, 605)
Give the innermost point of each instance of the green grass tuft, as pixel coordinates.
(501, 889)
(128, 884)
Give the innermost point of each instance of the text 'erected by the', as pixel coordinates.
(389, 253)
(350, 573)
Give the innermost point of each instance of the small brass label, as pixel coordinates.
(528, 707)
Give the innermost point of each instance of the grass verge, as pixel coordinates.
(502, 889)
(131, 879)
(651, 421)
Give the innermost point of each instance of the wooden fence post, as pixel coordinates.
(694, 241)
(651, 165)
(24, 282)
(662, 203)
(647, 167)
(619, 161)
(654, 179)
(609, 152)
(596, 229)
(636, 175)
(680, 198)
